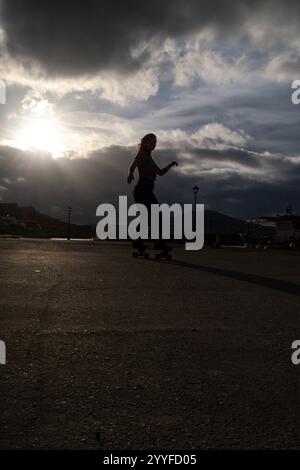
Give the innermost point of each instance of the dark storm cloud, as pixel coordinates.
(233, 156)
(263, 111)
(31, 178)
(75, 37)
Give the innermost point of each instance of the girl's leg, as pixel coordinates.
(140, 194)
(159, 244)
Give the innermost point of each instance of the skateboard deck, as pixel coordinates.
(165, 253)
(140, 251)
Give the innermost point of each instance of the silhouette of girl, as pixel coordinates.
(148, 170)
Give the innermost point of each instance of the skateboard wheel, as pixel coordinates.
(135, 255)
(146, 255)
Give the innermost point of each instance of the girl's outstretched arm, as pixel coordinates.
(163, 171)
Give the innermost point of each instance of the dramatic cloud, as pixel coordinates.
(212, 135)
(124, 51)
(86, 80)
(70, 37)
(233, 181)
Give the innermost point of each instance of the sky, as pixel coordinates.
(212, 79)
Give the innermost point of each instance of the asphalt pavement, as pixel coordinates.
(109, 352)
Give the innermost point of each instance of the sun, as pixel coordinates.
(42, 134)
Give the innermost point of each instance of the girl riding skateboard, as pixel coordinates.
(148, 170)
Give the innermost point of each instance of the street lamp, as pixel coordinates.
(69, 222)
(195, 190)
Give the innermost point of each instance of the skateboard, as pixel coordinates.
(140, 251)
(165, 252)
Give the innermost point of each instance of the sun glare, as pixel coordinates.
(42, 134)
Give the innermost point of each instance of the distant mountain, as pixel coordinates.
(27, 221)
(221, 224)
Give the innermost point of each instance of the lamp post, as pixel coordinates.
(195, 190)
(69, 222)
